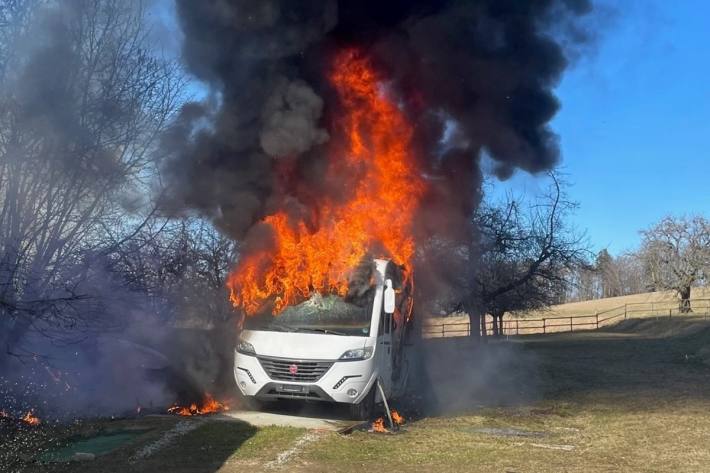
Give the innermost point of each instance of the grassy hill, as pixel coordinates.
(649, 304)
(651, 301)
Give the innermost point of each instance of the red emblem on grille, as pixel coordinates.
(293, 369)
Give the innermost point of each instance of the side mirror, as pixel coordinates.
(389, 297)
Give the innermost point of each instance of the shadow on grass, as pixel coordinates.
(635, 359)
(204, 447)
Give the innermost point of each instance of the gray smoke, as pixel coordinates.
(290, 120)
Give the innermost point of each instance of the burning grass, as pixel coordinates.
(208, 405)
(29, 418)
(380, 425)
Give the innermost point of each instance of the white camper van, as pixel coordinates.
(331, 348)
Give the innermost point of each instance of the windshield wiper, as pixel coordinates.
(320, 330)
(282, 328)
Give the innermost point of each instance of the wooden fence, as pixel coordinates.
(556, 324)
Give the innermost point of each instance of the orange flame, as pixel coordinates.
(30, 419)
(371, 157)
(379, 425)
(397, 417)
(209, 405)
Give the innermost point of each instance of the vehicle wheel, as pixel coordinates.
(365, 409)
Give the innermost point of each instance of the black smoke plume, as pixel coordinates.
(473, 77)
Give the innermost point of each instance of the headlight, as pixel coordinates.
(357, 354)
(245, 348)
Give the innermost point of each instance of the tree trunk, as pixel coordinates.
(484, 330)
(474, 319)
(497, 323)
(501, 332)
(684, 294)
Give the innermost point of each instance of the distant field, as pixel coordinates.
(649, 304)
(660, 299)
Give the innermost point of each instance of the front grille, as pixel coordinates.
(306, 371)
(290, 395)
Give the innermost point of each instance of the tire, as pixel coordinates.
(365, 409)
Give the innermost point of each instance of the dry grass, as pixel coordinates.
(632, 398)
(663, 300)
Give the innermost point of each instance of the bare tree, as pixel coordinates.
(607, 270)
(629, 267)
(609, 276)
(586, 284)
(82, 103)
(676, 255)
(527, 253)
(180, 267)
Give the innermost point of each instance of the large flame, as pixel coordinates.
(371, 160)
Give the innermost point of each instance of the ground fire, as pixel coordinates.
(397, 417)
(31, 419)
(378, 425)
(371, 144)
(208, 405)
(28, 418)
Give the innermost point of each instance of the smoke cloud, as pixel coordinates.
(291, 120)
(472, 76)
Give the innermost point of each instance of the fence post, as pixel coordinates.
(625, 312)
(596, 314)
(571, 329)
(468, 329)
(443, 330)
(670, 313)
(543, 325)
(517, 332)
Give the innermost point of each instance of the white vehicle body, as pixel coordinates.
(310, 366)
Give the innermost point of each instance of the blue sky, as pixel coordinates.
(635, 122)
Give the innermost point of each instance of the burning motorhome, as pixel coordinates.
(330, 348)
(343, 144)
(325, 320)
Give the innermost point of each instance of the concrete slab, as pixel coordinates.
(263, 419)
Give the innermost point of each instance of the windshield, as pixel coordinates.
(330, 314)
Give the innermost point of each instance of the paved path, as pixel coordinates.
(262, 419)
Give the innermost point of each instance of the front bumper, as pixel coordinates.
(342, 377)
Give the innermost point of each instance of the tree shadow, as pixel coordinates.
(187, 446)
